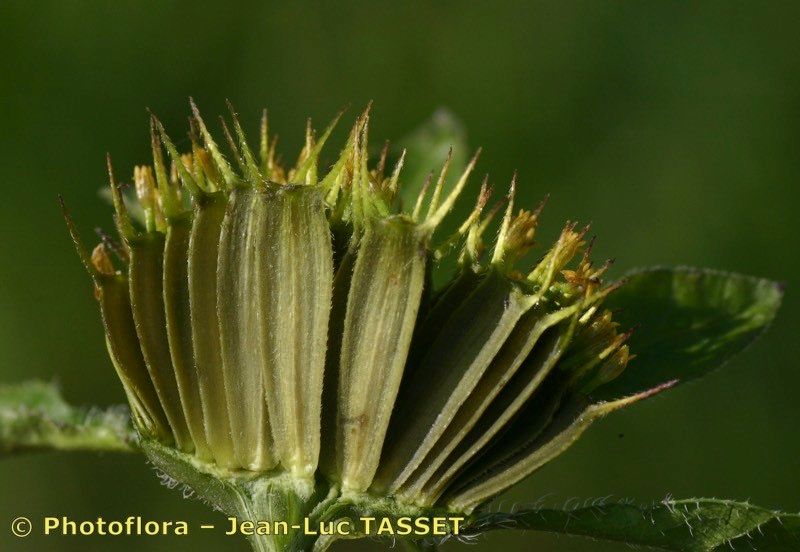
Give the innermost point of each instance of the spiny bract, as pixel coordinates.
(278, 321)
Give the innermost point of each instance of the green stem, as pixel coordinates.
(281, 500)
(278, 498)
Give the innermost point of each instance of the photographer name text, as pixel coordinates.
(365, 525)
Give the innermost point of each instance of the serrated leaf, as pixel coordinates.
(694, 525)
(691, 321)
(427, 147)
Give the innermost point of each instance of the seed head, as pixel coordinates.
(273, 319)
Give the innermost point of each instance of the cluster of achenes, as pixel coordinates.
(283, 322)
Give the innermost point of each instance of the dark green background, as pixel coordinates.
(673, 127)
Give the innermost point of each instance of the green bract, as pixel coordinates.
(285, 353)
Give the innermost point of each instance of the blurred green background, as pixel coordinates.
(673, 127)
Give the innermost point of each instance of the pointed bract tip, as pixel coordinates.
(125, 227)
(193, 107)
(432, 221)
(502, 236)
(382, 157)
(186, 177)
(421, 196)
(368, 109)
(83, 254)
(542, 204)
(110, 169)
(484, 194)
(230, 107)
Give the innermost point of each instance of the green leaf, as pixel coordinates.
(426, 150)
(693, 525)
(34, 416)
(690, 321)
